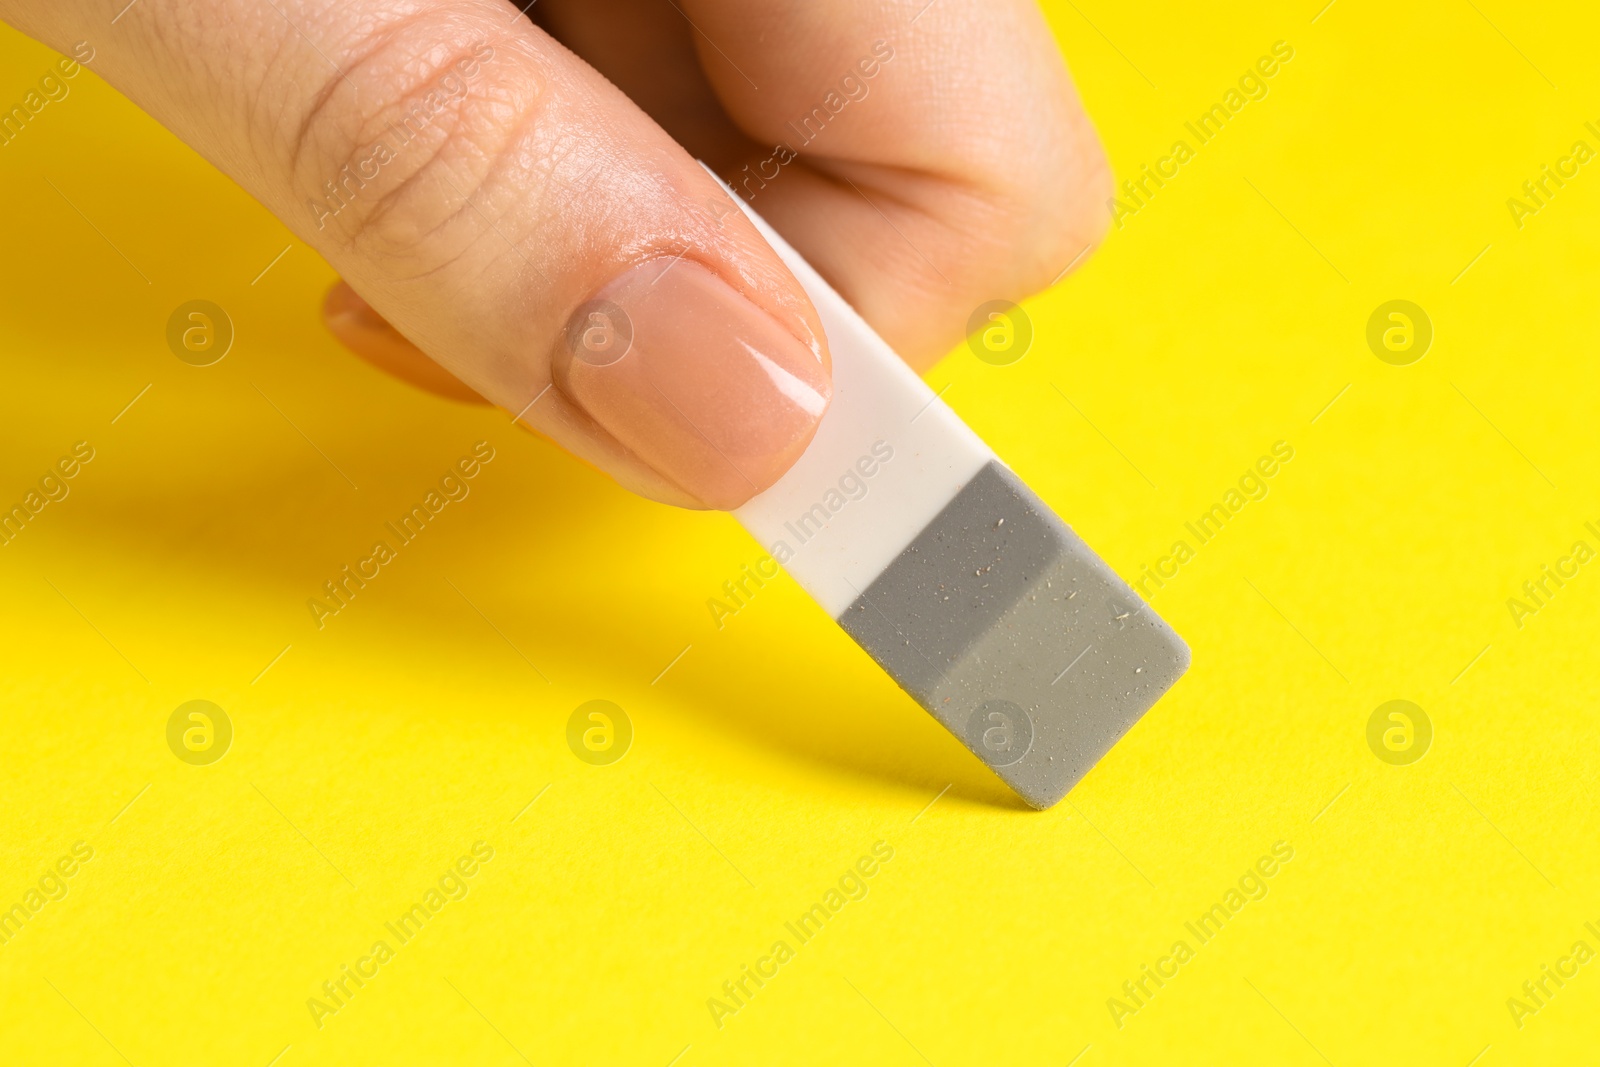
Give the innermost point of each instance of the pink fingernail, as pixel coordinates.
(695, 379)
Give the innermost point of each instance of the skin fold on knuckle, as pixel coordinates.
(1045, 185)
(1062, 214)
(407, 159)
(1018, 236)
(1031, 158)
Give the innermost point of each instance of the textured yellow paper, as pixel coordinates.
(1226, 313)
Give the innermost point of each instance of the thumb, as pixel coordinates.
(509, 211)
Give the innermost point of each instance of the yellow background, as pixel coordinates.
(1222, 317)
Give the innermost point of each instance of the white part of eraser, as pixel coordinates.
(885, 438)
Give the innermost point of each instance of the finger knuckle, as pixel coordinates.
(397, 151)
(1069, 203)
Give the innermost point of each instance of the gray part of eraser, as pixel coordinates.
(1011, 632)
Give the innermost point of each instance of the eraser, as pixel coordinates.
(952, 574)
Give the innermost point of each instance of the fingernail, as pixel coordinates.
(692, 377)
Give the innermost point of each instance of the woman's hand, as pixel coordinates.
(517, 200)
